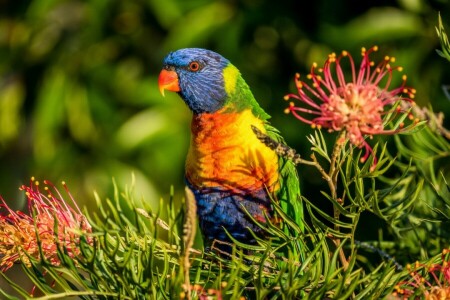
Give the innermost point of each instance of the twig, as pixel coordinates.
(435, 120)
(189, 230)
(280, 149)
(332, 184)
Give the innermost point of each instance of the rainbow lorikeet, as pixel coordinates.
(231, 173)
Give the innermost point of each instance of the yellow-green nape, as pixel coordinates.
(230, 75)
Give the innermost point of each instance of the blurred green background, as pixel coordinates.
(78, 79)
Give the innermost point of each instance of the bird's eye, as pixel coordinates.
(194, 66)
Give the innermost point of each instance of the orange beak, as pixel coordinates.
(168, 80)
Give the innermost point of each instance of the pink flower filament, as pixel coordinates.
(50, 223)
(355, 105)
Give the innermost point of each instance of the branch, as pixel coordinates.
(330, 177)
(280, 149)
(189, 230)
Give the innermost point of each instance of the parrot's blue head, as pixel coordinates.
(198, 76)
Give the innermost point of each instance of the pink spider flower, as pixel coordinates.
(353, 104)
(50, 223)
(438, 287)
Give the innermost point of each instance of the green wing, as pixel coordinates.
(289, 193)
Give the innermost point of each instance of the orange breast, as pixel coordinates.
(224, 152)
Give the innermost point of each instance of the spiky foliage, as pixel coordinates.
(445, 49)
(130, 261)
(135, 252)
(443, 38)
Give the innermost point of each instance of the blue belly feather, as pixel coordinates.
(220, 209)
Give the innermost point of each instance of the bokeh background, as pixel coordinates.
(78, 79)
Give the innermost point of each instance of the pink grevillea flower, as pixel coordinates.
(356, 103)
(436, 288)
(49, 224)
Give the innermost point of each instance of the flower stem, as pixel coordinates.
(332, 184)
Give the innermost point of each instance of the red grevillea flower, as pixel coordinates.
(437, 287)
(50, 223)
(355, 104)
